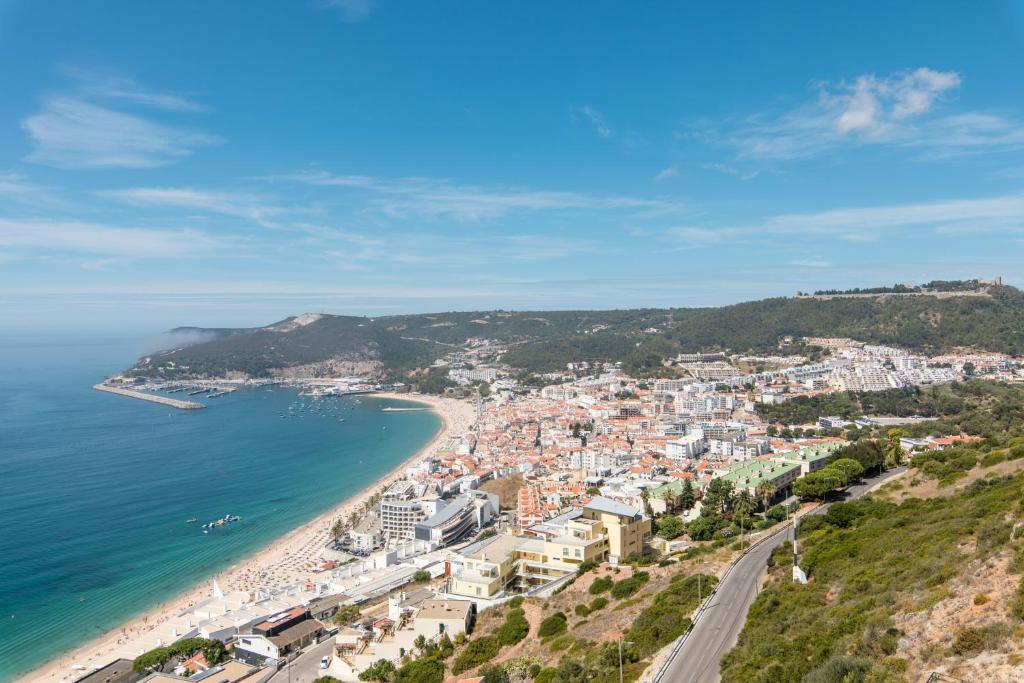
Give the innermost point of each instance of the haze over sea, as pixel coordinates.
(95, 489)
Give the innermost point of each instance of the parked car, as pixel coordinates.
(325, 662)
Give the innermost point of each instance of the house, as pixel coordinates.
(394, 636)
(277, 636)
(437, 617)
(324, 608)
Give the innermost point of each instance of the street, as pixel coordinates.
(305, 668)
(718, 629)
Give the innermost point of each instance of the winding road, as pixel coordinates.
(716, 629)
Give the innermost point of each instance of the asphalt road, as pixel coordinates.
(306, 667)
(718, 628)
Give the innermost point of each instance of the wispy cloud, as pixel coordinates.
(107, 85)
(12, 183)
(431, 197)
(240, 205)
(1003, 213)
(733, 171)
(75, 237)
(72, 133)
(596, 119)
(810, 263)
(350, 11)
(899, 109)
(666, 173)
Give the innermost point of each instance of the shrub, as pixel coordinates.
(1017, 604)
(601, 585)
(598, 603)
(840, 668)
(546, 675)
(515, 628)
(666, 617)
(552, 625)
(421, 576)
(582, 610)
(981, 599)
(973, 640)
(516, 602)
(627, 587)
(477, 652)
(562, 643)
(422, 670)
(993, 458)
(969, 642)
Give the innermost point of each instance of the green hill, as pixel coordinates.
(541, 341)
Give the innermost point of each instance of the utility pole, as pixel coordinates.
(628, 642)
(700, 598)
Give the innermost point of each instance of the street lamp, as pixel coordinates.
(628, 642)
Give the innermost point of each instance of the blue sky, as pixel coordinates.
(231, 163)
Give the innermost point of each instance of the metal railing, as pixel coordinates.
(939, 677)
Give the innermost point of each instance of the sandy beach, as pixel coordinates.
(291, 559)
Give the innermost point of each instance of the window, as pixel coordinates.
(565, 552)
(579, 553)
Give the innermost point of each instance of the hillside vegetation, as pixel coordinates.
(897, 586)
(868, 562)
(979, 407)
(546, 340)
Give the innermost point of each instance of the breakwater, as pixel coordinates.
(152, 398)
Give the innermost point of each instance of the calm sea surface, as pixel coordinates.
(95, 489)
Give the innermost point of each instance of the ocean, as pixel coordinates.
(95, 489)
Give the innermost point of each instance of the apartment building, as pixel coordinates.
(398, 518)
(602, 530)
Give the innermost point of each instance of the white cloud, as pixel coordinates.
(873, 106)
(78, 237)
(666, 173)
(240, 205)
(899, 109)
(595, 118)
(350, 11)
(73, 133)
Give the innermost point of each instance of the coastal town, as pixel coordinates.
(524, 487)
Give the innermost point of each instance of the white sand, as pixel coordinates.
(290, 559)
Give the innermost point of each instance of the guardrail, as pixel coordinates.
(706, 603)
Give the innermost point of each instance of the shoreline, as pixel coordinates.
(283, 555)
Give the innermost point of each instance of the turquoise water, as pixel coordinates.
(95, 488)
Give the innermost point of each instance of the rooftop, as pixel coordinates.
(607, 505)
(445, 609)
